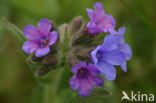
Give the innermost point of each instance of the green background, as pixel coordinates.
(17, 82)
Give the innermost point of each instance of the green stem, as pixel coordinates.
(48, 94)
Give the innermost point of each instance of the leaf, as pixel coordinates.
(62, 81)
(62, 31)
(64, 42)
(100, 92)
(97, 94)
(38, 94)
(16, 32)
(74, 97)
(4, 12)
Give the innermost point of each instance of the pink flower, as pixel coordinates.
(85, 77)
(99, 21)
(39, 39)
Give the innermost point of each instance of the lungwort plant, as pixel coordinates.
(68, 60)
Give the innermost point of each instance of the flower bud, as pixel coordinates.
(82, 37)
(83, 53)
(50, 60)
(43, 70)
(72, 61)
(75, 25)
(62, 31)
(32, 59)
(53, 28)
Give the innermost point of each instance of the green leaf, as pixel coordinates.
(62, 81)
(38, 95)
(15, 31)
(100, 92)
(74, 97)
(97, 95)
(4, 12)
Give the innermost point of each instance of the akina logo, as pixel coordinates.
(138, 96)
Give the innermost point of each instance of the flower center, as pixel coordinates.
(82, 72)
(44, 43)
(98, 55)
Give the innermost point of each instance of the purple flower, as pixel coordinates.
(99, 21)
(114, 51)
(85, 77)
(39, 39)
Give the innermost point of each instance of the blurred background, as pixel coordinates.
(17, 82)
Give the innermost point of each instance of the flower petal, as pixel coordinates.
(99, 81)
(115, 57)
(53, 36)
(98, 6)
(108, 24)
(90, 13)
(126, 50)
(84, 88)
(93, 54)
(99, 12)
(31, 33)
(110, 43)
(29, 46)
(42, 51)
(121, 31)
(44, 26)
(124, 66)
(78, 66)
(93, 28)
(93, 70)
(108, 70)
(95, 81)
(74, 83)
(109, 39)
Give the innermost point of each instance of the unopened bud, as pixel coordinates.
(53, 26)
(72, 61)
(82, 37)
(83, 53)
(75, 25)
(32, 59)
(50, 60)
(43, 70)
(62, 31)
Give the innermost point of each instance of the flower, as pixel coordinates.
(114, 51)
(39, 39)
(107, 55)
(124, 47)
(99, 21)
(85, 77)
(119, 43)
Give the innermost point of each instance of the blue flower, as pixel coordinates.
(124, 47)
(85, 77)
(113, 52)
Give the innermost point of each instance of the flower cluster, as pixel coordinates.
(113, 52)
(87, 59)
